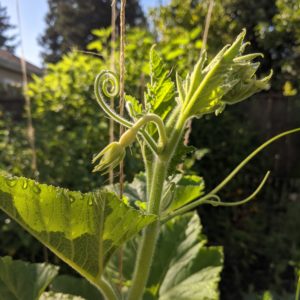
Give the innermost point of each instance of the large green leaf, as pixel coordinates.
(191, 270)
(24, 281)
(183, 267)
(75, 286)
(82, 229)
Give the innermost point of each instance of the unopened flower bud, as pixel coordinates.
(128, 137)
(109, 157)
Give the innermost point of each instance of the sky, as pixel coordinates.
(32, 14)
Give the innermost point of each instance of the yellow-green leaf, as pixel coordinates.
(82, 229)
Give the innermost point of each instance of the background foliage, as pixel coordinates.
(6, 39)
(261, 240)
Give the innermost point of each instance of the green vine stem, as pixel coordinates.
(130, 135)
(148, 242)
(106, 290)
(148, 167)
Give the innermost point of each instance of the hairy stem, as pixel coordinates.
(159, 124)
(106, 290)
(148, 242)
(148, 168)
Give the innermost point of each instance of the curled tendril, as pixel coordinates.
(236, 203)
(216, 200)
(107, 85)
(110, 85)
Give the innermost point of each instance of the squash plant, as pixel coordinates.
(164, 253)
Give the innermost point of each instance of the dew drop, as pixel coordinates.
(11, 182)
(72, 199)
(25, 184)
(90, 202)
(36, 189)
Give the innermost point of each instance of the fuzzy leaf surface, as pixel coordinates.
(82, 229)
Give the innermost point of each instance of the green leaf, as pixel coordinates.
(195, 33)
(136, 190)
(160, 93)
(95, 45)
(180, 89)
(82, 229)
(59, 296)
(228, 79)
(191, 270)
(183, 267)
(103, 32)
(133, 106)
(24, 281)
(181, 153)
(188, 188)
(178, 191)
(75, 286)
(175, 54)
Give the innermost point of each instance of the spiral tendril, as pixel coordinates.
(114, 84)
(107, 85)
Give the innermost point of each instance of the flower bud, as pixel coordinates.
(128, 137)
(109, 157)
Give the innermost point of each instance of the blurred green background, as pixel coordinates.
(261, 239)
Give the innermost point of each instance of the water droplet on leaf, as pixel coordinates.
(90, 202)
(25, 184)
(72, 199)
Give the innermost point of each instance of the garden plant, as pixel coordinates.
(164, 255)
